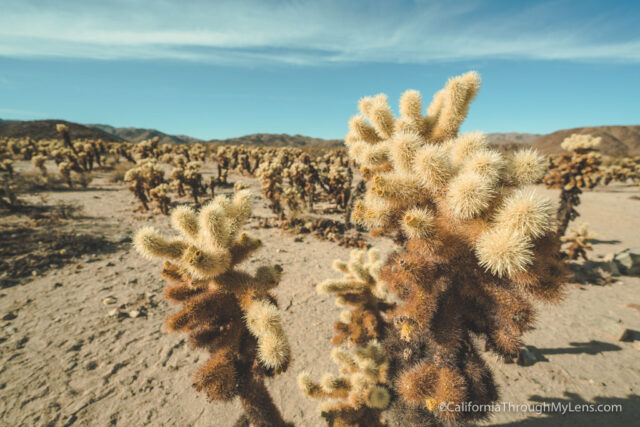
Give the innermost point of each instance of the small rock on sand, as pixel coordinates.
(109, 300)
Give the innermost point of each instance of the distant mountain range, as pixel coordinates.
(616, 140)
(280, 140)
(46, 129)
(137, 134)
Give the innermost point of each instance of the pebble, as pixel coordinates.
(109, 300)
(113, 312)
(57, 285)
(134, 313)
(526, 357)
(124, 238)
(91, 365)
(9, 316)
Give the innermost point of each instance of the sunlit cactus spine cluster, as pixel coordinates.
(359, 394)
(363, 296)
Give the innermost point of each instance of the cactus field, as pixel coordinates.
(366, 285)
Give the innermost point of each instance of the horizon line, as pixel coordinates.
(92, 125)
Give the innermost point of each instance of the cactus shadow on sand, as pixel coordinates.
(605, 242)
(36, 239)
(592, 347)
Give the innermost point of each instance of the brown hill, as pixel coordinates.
(46, 129)
(280, 140)
(616, 140)
(511, 141)
(137, 134)
(512, 138)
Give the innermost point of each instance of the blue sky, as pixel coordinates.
(216, 69)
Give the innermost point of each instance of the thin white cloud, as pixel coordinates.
(307, 33)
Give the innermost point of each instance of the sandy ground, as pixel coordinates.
(65, 361)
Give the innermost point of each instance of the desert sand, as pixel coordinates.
(67, 359)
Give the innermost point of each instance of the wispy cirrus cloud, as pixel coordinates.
(321, 32)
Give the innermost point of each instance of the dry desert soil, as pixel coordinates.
(65, 359)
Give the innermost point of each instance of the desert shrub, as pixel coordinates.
(84, 179)
(119, 171)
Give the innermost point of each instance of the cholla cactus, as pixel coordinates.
(572, 171)
(65, 170)
(193, 180)
(363, 292)
(293, 199)
(63, 130)
(301, 181)
(160, 195)
(239, 186)
(198, 152)
(223, 160)
(142, 178)
(177, 180)
(38, 162)
(338, 183)
(227, 311)
(138, 185)
(153, 173)
(577, 143)
(7, 166)
(180, 161)
(270, 175)
(87, 156)
(622, 170)
(148, 148)
(576, 242)
(212, 186)
(13, 147)
(478, 247)
(8, 193)
(359, 394)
